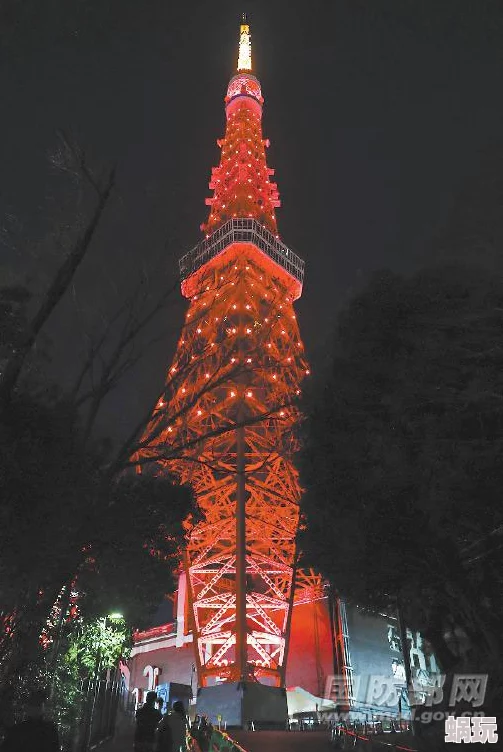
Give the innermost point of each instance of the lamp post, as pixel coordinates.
(192, 672)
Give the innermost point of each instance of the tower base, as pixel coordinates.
(237, 704)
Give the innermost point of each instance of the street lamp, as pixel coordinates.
(192, 672)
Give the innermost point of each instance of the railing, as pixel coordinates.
(168, 630)
(219, 742)
(242, 231)
(345, 738)
(222, 742)
(341, 738)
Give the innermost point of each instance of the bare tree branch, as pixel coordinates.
(55, 292)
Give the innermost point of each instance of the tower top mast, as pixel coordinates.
(242, 207)
(244, 57)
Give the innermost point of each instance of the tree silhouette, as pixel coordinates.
(403, 454)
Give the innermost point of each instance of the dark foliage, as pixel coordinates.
(403, 460)
(66, 519)
(62, 517)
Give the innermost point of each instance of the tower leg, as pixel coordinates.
(237, 704)
(241, 627)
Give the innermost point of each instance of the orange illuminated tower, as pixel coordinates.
(226, 424)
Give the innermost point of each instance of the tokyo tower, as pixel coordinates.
(226, 423)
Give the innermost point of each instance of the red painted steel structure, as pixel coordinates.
(230, 408)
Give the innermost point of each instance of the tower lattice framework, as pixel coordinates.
(226, 423)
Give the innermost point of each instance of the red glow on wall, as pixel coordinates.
(164, 630)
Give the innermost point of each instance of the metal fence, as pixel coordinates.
(102, 701)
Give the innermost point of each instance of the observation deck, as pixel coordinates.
(243, 231)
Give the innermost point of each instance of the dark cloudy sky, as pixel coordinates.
(377, 111)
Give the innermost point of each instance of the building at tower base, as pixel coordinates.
(342, 661)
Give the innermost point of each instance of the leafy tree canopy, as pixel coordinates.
(96, 645)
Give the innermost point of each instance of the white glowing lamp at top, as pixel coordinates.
(244, 59)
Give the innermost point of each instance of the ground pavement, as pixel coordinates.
(266, 741)
(123, 739)
(260, 741)
(283, 741)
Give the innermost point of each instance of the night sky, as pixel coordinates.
(377, 111)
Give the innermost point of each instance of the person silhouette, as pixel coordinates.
(171, 734)
(147, 718)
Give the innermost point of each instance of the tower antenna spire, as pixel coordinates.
(244, 58)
